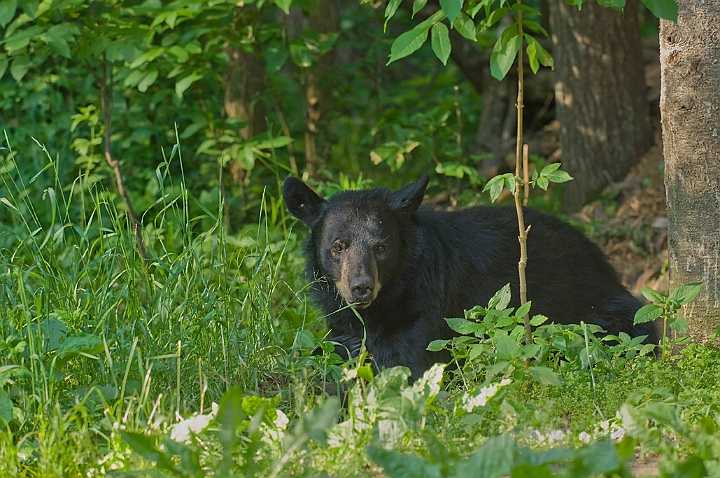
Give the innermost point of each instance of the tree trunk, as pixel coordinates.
(690, 108)
(600, 95)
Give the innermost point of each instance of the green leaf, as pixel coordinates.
(559, 177)
(185, 83)
(20, 67)
(408, 43)
(614, 4)
(300, 53)
(678, 324)
(390, 10)
(686, 293)
(493, 459)
(284, 5)
(451, 8)
(441, 42)
(536, 27)
(274, 143)
(538, 320)
(399, 465)
(7, 11)
(436, 345)
(504, 52)
(538, 54)
(546, 376)
(3, 64)
(465, 26)
(523, 309)
(463, 326)
(506, 348)
(417, 6)
(653, 296)
(665, 9)
(148, 80)
(6, 407)
(145, 447)
(501, 298)
(80, 343)
(647, 313)
(276, 55)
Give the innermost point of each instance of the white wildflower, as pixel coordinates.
(480, 399)
(182, 431)
(556, 435)
(618, 434)
(584, 437)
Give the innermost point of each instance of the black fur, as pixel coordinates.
(407, 267)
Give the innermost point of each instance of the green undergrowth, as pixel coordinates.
(198, 362)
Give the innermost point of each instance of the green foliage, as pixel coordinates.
(667, 308)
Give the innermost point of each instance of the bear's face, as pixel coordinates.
(359, 250)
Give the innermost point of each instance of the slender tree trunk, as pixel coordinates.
(690, 109)
(600, 95)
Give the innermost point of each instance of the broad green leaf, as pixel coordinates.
(276, 55)
(494, 17)
(493, 459)
(436, 345)
(148, 80)
(451, 8)
(678, 324)
(614, 4)
(465, 26)
(300, 53)
(524, 309)
(536, 55)
(408, 43)
(7, 11)
(543, 183)
(538, 320)
(390, 10)
(647, 313)
(501, 298)
(6, 407)
(559, 177)
(180, 53)
(440, 40)
(686, 293)
(504, 52)
(20, 67)
(3, 64)
(536, 27)
(145, 446)
(417, 6)
(229, 415)
(185, 83)
(80, 343)
(276, 142)
(692, 467)
(506, 348)
(284, 5)
(653, 296)
(399, 465)
(665, 9)
(463, 326)
(546, 376)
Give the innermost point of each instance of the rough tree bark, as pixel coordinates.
(600, 96)
(690, 109)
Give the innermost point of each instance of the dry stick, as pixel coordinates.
(526, 174)
(518, 173)
(114, 163)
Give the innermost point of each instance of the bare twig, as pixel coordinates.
(106, 107)
(518, 173)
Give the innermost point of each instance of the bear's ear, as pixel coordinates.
(302, 202)
(409, 198)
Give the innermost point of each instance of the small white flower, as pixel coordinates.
(282, 420)
(584, 437)
(486, 393)
(618, 434)
(537, 435)
(181, 431)
(556, 435)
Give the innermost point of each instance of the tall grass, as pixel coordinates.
(93, 337)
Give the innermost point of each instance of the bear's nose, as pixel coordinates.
(362, 289)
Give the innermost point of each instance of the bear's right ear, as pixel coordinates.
(302, 202)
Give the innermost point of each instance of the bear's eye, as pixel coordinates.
(338, 247)
(379, 247)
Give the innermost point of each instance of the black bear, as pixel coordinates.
(403, 268)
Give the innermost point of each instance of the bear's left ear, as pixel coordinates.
(409, 198)
(302, 202)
